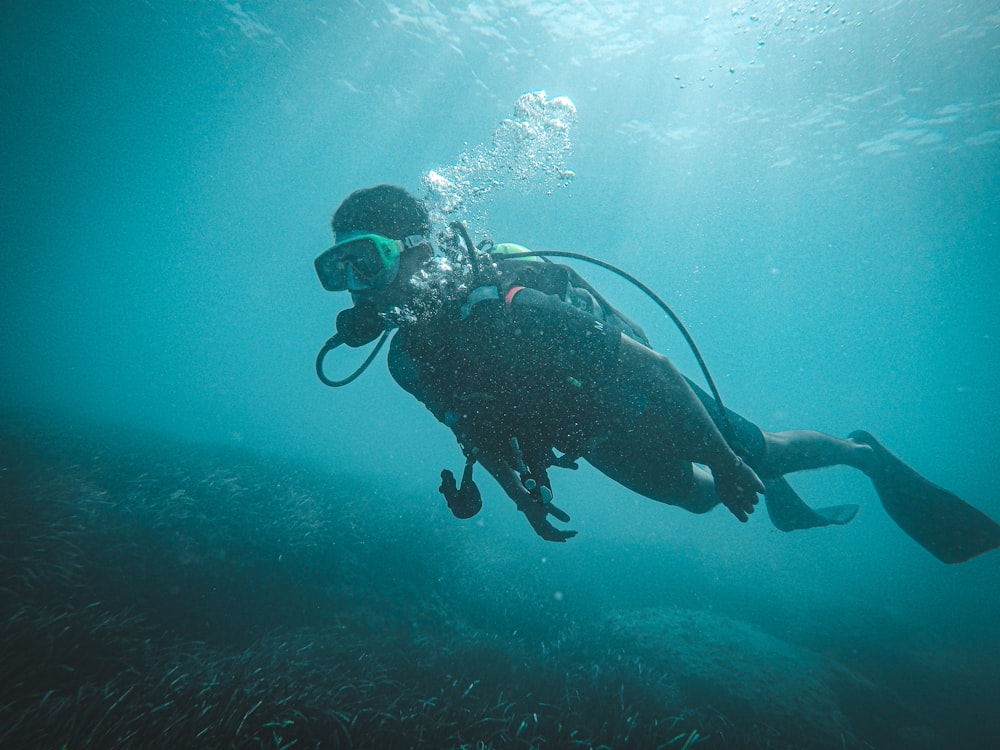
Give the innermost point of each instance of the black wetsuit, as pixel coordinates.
(539, 366)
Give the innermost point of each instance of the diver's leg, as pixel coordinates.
(702, 497)
(772, 454)
(608, 384)
(699, 495)
(641, 466)
(677, 422)
(799, 450)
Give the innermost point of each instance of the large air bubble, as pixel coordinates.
(528, 152)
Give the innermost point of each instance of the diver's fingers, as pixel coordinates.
(740, 514)
(560, 514)
(537, 514)
(742, 505)
(753, 482)
(558, 535)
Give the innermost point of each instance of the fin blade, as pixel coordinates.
(788, 512)
(938, 520)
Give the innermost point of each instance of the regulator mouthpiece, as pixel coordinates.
(359, 325)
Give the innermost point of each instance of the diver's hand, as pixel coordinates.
(537, 511)
(534, 510)
(537, 515)
(737, 485)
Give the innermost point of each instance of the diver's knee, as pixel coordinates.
(700, 497)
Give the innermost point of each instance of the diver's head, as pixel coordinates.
(381, 235)
(387, 210)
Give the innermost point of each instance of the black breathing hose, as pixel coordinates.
(332, 343)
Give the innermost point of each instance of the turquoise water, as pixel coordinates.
(813, 187)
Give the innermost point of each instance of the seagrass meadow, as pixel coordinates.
(161, 594)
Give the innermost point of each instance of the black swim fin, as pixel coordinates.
(789, 513)
(938, 520)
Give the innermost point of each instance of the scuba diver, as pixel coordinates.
(531, 368)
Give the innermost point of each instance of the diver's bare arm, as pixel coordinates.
(690, 430)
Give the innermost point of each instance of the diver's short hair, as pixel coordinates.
(384, 209)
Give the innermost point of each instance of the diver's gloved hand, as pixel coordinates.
(737, 485)
(537, 515)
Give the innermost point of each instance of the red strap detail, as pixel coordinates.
(509, 297)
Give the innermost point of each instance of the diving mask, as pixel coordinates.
(361, 261)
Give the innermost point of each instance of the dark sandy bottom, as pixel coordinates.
(155, 594)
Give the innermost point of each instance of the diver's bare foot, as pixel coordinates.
(798, 450)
